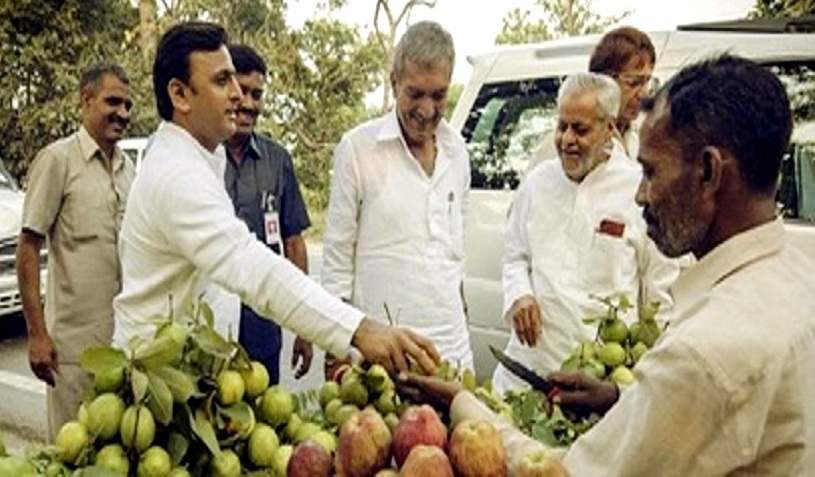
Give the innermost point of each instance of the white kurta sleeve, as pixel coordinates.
(340, 238)
(198, 219)
(516, 261)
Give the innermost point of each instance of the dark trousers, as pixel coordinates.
(262, 340)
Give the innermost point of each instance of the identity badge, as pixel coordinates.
(271, 221)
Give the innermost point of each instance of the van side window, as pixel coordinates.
(506, 124)
(796, 194)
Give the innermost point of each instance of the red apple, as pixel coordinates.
(476, 450)
(418, 425)
(309, 459)
(364, 445)
(426, 461)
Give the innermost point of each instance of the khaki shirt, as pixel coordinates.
(74, 202)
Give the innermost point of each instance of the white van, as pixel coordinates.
(509, 104)
(134, 149)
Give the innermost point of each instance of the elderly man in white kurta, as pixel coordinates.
(576, 233)
(394, 244)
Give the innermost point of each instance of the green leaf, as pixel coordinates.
(542, 433)
(206, 313)
(101, 359)
(625, 302)
(161, 399)
(94, 471)
(212, 343)
(158, 353)
(181, 385)
(204, 430)
(177, 446)
(139, 383)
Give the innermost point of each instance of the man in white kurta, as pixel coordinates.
(570, 241)
(394, 242)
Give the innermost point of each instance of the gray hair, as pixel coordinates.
(604, 87)
(91, 79)
(427, 45)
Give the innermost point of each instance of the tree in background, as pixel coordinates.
(320, 72)
(386, 36)
(44, 46)
(782, 8)
(560, 18)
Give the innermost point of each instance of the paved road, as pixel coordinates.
(22, 397)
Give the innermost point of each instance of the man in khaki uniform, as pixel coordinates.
(77, 189)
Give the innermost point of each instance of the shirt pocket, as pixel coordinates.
(608, 260)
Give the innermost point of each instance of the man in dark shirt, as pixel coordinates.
(260, 181)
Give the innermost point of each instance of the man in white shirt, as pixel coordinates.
(729, 389)
(575, 233)
(627, 55)
(181, 226)
(394, 243)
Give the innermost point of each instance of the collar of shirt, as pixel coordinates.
(90, 149)
(391, 130)
(249, 149)
(216, 160)
(736, 252)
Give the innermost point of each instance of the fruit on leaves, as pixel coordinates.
(426, 461)
(225, 464)
(71, 439)
(364, 445)
(329, 391)
(638, 350)
(306, 431)
(104, 415)
(281, 459)
(387, 473)
(331, 408)
(255, 379)
(352, 391)
(109, 380)
(277, 406)
(418, 425)
(112, 457)
(476, 450)
(155, 462)
(622, 375)
(386, 402)
(138, 428)
(613, 331)
(344, 413)
(230, 387)
(17, 467)
(263, 443)
(594, 368)
(180, 472)
(378, 379)
(309, 459)
(539, 463)
(325, 439)
(611, 354)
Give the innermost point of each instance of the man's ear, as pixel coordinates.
(179, 95)
(393, 81)
(712, 168)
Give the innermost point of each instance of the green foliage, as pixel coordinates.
(558, 19)
(319, 73)
(782, 8)
(453, 95)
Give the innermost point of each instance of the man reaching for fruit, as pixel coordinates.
(181, 227)
(729, 389)
(576, 233)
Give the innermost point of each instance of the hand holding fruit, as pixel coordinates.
(582, 393)
(526, 320)
(428, 389)
(388, 346)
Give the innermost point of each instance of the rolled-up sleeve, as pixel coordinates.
(340, 238)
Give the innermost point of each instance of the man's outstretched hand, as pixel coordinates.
(428, 389)
(391, 346)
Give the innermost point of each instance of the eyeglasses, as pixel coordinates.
(638, 81)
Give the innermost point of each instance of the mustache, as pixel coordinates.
(249, 112)
(116, 119)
